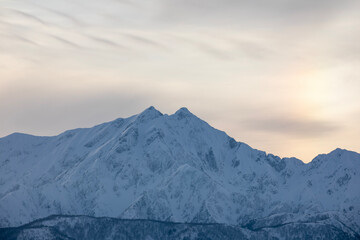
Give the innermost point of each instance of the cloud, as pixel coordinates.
(254, 49)
(66, 42)
(211, 50)
(105, 41)
(143, 40)
(259, 63)
(69, 17)
(25, 40)
(19, 38)
(57, 109)
(292, 126)
(29, 16)
(253, 12)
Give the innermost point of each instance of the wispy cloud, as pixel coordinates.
(30, 16)
(66, 42)
(293, 126)
(69, 17)
(143, 40)
(23, 39)
(282, 70)
(253, 13)
(106, 41)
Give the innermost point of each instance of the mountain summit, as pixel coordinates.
(172, 168)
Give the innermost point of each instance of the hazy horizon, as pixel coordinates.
(280, 76)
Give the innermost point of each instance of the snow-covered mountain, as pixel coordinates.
(173, 168)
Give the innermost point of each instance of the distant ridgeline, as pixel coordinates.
(91, 228)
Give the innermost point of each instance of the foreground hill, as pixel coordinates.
(173, 168)
(90, 228)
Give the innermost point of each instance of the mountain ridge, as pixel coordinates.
(170, 167)
(152, 108)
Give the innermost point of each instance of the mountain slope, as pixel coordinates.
(171, 168)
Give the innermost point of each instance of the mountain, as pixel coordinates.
(173, 168)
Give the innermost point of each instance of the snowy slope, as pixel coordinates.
(172, 168)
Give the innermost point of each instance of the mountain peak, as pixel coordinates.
(183, 113)
(149, 113)
(335, 156)
(151, 109)
(344, 153)
(339, 150)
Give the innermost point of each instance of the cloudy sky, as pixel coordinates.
(280, 75)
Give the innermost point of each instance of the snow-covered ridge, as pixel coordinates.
(172, 168)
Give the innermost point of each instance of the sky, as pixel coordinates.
(282, 76)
